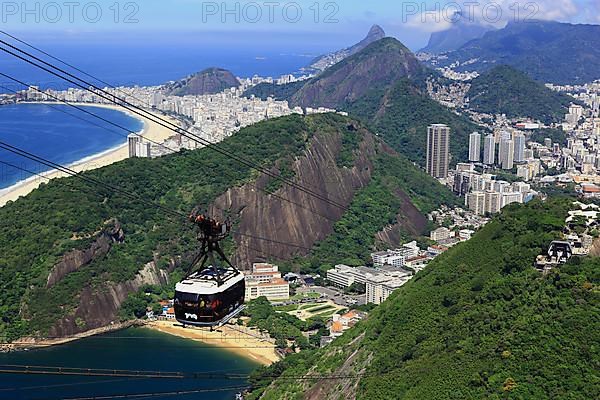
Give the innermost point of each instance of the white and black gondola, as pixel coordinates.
(210, 295)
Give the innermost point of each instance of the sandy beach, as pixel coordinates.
(240, 340)
(152, 131)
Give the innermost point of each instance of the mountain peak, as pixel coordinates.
(462, 31)
(376, 32)
(380, 64)
(323, 62)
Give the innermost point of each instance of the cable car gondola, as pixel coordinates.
(210, 296)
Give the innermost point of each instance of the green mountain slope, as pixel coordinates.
(66, 214)
(478, 322)
(505, 90)
(547, 51)
(384, 86)
(376, 67)
(401, 114)
(278, 92)
(208, 81)
(44, 281)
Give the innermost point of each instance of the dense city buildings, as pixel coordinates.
(209, 118)
(438, 147)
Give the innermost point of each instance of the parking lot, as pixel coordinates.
(335, 295)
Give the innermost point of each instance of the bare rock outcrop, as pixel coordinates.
(99, 306)
(76, 259)
(409, 221)
(270, 217)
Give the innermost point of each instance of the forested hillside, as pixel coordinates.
(65, 242)
(478, 322)
(505, 90)
(277, 92)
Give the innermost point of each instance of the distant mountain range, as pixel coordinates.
(325, 61)
(460, 32)
(553, 52)
(209, 81)
(505, 90)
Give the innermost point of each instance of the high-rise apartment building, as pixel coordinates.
(474, 147)
(519, 151)
(489, 150)
(506, 152)
(438, 147)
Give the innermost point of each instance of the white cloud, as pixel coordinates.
(436, 19)
(439, 16)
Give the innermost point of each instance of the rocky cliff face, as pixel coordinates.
(76, 259)
(269, 217)
(99, 306)
(409, 220)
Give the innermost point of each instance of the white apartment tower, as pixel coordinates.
(438, 147)
(489, 150)
(519, 151)
(132, 142)
(506, 153)
(474, 147)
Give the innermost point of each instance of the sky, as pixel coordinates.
(341, 22)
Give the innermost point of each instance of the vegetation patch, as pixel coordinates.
(481, 317)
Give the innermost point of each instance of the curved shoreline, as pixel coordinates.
(241, 341)
(151, 130)
(238, 340)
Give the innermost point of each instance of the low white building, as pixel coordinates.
(277, 289)
(465, 234)
(265, 280)
(441, 234)
(344, 276)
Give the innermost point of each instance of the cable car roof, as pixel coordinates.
(205, 282)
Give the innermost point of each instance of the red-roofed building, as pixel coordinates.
(171, 313)
(590, 190)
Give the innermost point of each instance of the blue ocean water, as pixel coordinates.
(156, 58)
(131, 349)
(145, 58)
(47, 131)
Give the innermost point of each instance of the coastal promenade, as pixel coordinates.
(152, 131)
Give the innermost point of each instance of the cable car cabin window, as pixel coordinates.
(186, 297)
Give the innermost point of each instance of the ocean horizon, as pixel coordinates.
(47, 131)
(155, 60)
